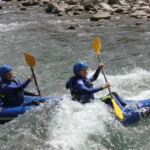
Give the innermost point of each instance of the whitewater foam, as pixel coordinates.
(13, 26)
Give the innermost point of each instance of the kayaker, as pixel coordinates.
(11, 90)
(82, 90)
(80, 86)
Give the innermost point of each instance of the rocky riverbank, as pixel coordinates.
(96, 9)
(101, 9)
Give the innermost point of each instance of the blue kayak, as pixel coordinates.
(9, 113)
(132, 110)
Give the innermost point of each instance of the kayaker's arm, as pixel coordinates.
(18, 88)
(96, 74)
(24, 84)
(28, 93)
(82, 88)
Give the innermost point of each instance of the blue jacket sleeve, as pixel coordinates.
(23, 85)
(17, 88)
(96, 74)
(79, 85)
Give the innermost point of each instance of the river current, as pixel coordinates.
(71, 126)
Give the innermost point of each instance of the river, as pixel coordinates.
(71, 126)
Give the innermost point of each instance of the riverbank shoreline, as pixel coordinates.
(96, 10)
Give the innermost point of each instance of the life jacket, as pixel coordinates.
(81, 97)
(13, 97)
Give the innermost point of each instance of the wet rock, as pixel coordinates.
(115, 6)
(89, 7)
(138, 14)
(63, 6)
(91, 12)
(96, 9)
(41, 5)
(138, 23)
(126, 12)
(45, 2)
(123, 3)
(52, 8)
(142, 3)
(28, 3)
(70, 8)
(113, 2)
(34, 3)
(76, 13)
(85, 2)
(100, 15)
(119, 10)
(135, 8)
(72, 2)
(6, 0)
(70, 13)
(106, 7)
(73, 26)
(146, 9)
(78, 8)
(144, 17)
(61, 14)
(23, 8)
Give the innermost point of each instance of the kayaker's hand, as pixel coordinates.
(101, 65)
(37, 94)
(106, 85)
(32, 77)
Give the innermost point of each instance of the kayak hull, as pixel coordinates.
(9, 113)
(132, 110)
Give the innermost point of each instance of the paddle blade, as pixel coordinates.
(97, 45)
(117, 110)
(30, 59)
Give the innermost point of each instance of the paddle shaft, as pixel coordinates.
(35, 82)
(105, 75)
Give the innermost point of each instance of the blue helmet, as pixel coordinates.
(4, 69)
(78, 66)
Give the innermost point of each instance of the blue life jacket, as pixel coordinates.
(82, 97)
(11, 96)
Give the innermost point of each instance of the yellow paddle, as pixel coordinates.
(97, 47)
(31, 61)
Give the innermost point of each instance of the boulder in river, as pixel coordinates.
(52, 7)
(138, 14)
(100, 15)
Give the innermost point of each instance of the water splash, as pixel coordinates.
(74, 124)
(130, 85)
(13, 26)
